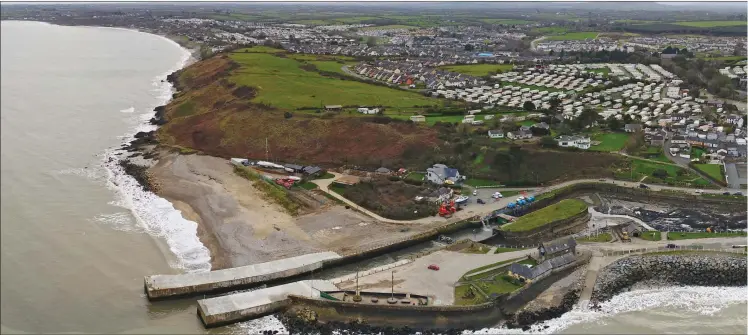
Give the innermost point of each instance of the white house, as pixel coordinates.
(417, 118)
(519, 134)
(574, 141)
(441, 174)
(495, 134)
(365, 110)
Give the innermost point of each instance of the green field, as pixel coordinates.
(505, 21)
(604, 237)
(281, 83)
(478, 70)
(561, 210)
(417, 176)
(641, 168)
(481, 182)
(330, 66)
(610, 141)
(478, 269)
(711, 170)
(392, 26)
(689, 236)
(308, 185)
(710, 24)
(651, 235)
(550, 30)
(573, 36)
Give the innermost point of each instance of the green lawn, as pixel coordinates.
(460, 299)
(330, 66)
(416, 176)
(604, 237)
(573, 36)
(327, 175)
(651, 236)
(710, 24)
(308, 185)
(689, 236)
(282, 84)
(697, 152)
(478, 269)
(610, 141)
(561, 210)
(550, 30)
(476, 248)
(478, 70)
(712, 170)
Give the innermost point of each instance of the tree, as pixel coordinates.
(614, 124)
(528, 106)
(371, 41)
(660, 173)
(548, 142)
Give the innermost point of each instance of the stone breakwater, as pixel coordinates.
(664, 270)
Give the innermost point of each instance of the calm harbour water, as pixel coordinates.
(78, 236)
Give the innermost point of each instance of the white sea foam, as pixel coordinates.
(693, 299)
(128, 110)
(257, 326)
(152, 213)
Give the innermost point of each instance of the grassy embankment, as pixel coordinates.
(644, 171)
(562, 210)
(273, 192)
(710, 24)
(689, 236)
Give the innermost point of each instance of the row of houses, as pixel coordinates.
(412, 72)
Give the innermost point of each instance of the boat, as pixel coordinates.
(461, 199)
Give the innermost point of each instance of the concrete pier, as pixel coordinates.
(238, 307)
(165, 286)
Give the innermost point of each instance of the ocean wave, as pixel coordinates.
(691, 299)
(128, 110)
(121, 221)
(154, 214)
(267, 323)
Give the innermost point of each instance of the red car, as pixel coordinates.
(434, 267)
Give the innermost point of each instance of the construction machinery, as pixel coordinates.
(625, 236)
(446, 210)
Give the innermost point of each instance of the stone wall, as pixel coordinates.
(552, 230)
(698, 269)
(414, 317)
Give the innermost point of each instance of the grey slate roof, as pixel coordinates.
(559, 245)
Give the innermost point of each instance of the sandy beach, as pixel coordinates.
(240, 227)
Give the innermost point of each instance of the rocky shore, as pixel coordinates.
(663, 269)
(558, 299)
(296, 323)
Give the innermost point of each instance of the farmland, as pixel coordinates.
(282, 83)
(709, 24)
(561, 210)
(392, 26)
(478, 70)
(576, 36)
(506, 21)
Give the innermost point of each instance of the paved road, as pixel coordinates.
(473, 209)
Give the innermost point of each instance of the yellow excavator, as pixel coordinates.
(625, 236)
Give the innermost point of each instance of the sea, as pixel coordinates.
(78, 235)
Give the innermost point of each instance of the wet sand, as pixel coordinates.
(240, 227)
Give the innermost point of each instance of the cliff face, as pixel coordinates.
(683, 269)
(214, 116)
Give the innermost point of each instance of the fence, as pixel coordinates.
(665, 249)
(370, 271)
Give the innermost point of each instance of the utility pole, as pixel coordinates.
(267, 150)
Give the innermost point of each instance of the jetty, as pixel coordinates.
(170, 286)
(238, 307)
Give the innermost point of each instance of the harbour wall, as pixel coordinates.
(552, 230)
(691, 268)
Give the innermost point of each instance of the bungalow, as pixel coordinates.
(495, 134)
(365, 110)
(519, 134)
(294, 168)
(542, 125)
(383, 170)
(312, 170)
(557, 247)
(657, 140)
(632, 127)
(441, 174)
(678, 139)
(417, 118)
(574, 141)
(333, 108)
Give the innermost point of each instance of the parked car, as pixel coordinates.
(480, 201)
(643, 186)
(434, 267)
(671, 246)
(738, 193)
(726, 193)
(699, 191)
(475, 192)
